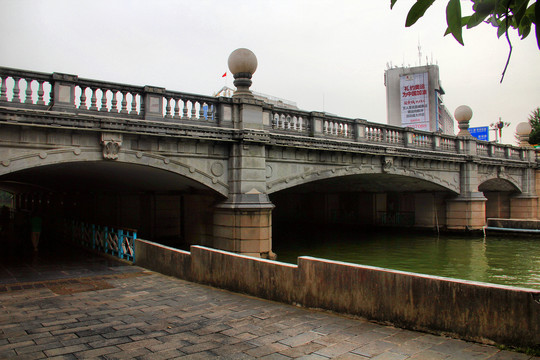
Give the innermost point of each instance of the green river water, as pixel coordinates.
(495, 259)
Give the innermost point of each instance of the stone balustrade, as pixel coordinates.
(63, 92)
(69, 93)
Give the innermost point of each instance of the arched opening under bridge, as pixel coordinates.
(161, 205)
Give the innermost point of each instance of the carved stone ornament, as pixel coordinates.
(111, 145)
(388, 163)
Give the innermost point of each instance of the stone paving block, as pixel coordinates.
(10, 346)
(511, 355)
(431, 339)
(127, 354)
(451, 346)
(81, 340)
(8, 354)
(367, 337)
(34, 348)
(350, 356)
(312, 357)
(209, 345)
(199, 356)
(267, 339)
(302, 350)
(122, 333)
(402, 336)
(264, 350)
(275, 357)
(139, 344)
(336, 349)
(429, 355)
(109, 342)
(331, 339)
(148, 335)
(63, 357)
(410, 347)
(94, 353)
(161, 355)
(374, 348)
(233, 349)
(390, 356)
(66, 350)
(300, 339)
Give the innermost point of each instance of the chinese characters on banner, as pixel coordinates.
(415, 101)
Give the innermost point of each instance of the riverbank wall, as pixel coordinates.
(485, 313)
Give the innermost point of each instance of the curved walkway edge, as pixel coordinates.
(146, 315)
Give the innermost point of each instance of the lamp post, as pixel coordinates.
(497, 127)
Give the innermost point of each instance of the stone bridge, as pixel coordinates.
(212, 170)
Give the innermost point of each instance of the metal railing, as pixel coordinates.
(110, 240)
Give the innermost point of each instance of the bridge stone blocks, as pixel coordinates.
(465, 214)
(246, 231)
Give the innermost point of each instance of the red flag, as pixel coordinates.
(224, 74)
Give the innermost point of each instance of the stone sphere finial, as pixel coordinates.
(463, 115)
(242, 64)
(523, 130)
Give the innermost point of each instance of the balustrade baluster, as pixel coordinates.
(3, 91)
(134, 104)
(193, 110)
(201, 111)
(211, 113)
(168, 108)
(124, 102)
(82, 104)
(177, 109)
(103, 100)
(93, 99)
(28, 92)
(185, 111)
(16, 90)
(40, 93)
(114, 101)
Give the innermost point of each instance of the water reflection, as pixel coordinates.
(507, 261)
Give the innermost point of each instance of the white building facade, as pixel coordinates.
(414, 99)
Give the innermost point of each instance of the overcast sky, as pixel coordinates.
(323, 55)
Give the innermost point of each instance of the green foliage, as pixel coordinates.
(519, 15)
(534, 120)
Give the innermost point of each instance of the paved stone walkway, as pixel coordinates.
(134, 313)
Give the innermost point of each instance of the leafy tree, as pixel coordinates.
(502, 14)
(534, 120)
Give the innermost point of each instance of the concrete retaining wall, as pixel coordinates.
(471, 310)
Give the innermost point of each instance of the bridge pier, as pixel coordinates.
(524, 207)
(466, 213)
(245, 226)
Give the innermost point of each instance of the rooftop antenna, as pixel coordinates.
(419, 53)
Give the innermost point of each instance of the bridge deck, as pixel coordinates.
(85, 306)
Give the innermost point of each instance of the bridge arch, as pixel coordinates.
(212, 176)
(499, 184)
(423, 179)
(499, 192)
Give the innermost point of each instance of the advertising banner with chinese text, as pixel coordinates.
(415, 101)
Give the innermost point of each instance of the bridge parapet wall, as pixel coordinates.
(69, 93)
(471, 310)
(322, 125)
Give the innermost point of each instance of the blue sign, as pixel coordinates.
(481, 133)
